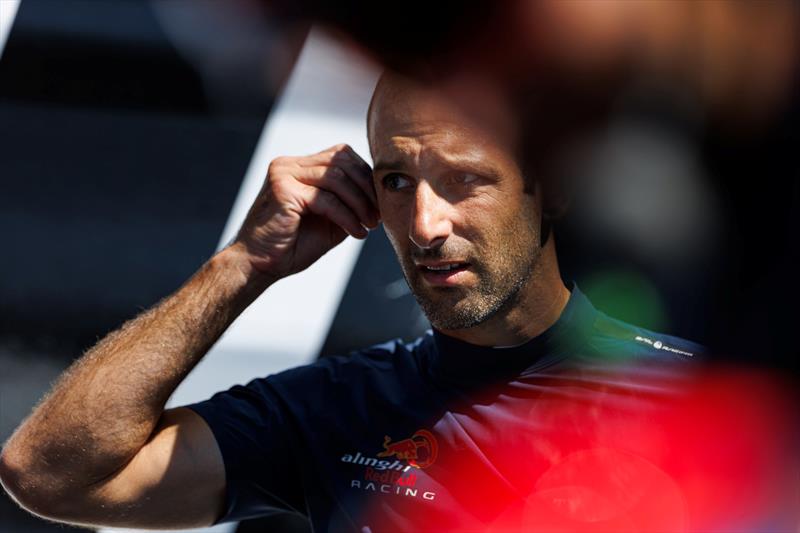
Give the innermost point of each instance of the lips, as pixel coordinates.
(445, 274)
(443, 267)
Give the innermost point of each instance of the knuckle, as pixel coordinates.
(335, 172)
(275, 181)
(279, 161)
(280, 186)
(341, 157)
(327, 198)
(338, 152)
(274, 170)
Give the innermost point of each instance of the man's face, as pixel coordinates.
(454, 207)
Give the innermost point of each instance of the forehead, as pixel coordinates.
(422, 125)
(443, 145)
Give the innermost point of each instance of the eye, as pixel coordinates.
(396, 182)
(465, 178)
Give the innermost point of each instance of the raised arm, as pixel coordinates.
(99, 449)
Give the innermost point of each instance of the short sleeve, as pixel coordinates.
(257, 441)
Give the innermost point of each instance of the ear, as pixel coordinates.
(555, 195)
(556, 198)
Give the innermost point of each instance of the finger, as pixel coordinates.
(337, 181)
(346, 158)
(359, 159)
(361, 173)
(323, 156)
(336, 234)
(341, 150)
(327, 204)
(319, 225)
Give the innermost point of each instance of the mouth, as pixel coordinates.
(444, 273)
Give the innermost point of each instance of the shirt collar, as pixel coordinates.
(456, 360)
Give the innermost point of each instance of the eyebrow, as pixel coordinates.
(396, 164)
(459, 162)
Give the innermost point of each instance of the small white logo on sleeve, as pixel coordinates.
(658, 345)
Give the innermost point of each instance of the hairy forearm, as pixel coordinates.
(105, 406)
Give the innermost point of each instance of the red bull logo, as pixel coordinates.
(419, 450)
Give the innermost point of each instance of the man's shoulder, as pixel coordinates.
(616, 338)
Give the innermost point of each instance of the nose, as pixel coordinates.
(430, 223)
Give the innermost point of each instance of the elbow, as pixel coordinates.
(24, 488)
(11, 476)
(13, 480)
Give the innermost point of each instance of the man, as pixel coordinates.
(435, 434)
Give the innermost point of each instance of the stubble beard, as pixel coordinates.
(453, 308)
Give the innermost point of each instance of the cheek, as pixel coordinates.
(394, 241)
(485, 214)
(499, 224)
(395, 227)
(394, 215)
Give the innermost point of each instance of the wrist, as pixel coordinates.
(235, 262)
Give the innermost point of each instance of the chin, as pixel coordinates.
(457, 323)
(454, 315)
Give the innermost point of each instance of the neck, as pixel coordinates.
(535, 308)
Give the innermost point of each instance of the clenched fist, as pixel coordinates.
(307, 206)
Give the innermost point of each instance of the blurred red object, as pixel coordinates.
(718, 453)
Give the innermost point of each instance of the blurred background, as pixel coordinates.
(135, 133)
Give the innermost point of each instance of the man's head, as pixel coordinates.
(452, 195)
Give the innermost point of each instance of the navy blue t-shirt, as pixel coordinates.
(439, 434)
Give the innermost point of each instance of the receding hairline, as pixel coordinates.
(390, 84)
(394, 89)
